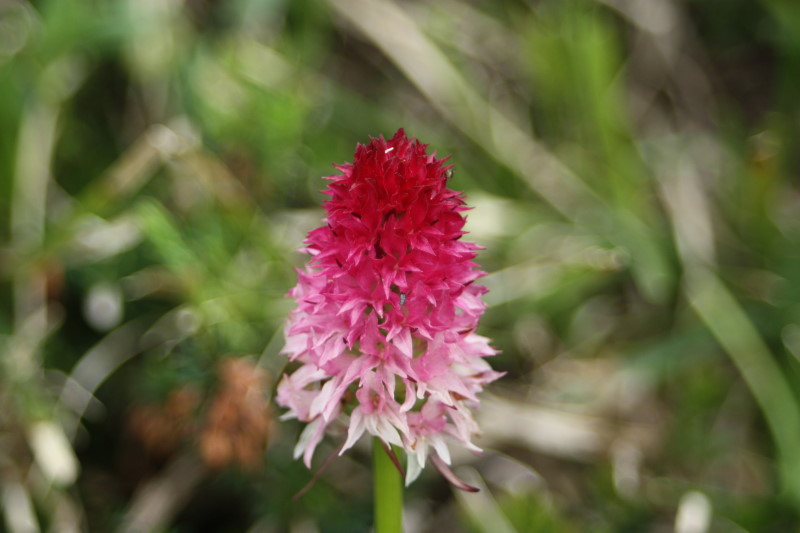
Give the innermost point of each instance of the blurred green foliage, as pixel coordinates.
(633, 170)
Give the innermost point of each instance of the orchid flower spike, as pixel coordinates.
(387, 308)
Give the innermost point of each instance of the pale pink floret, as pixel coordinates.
(384, 328)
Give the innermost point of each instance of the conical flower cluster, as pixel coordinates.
(384, 328)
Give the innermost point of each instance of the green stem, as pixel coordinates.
(388, 490)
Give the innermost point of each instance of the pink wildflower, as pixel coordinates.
(384, 328)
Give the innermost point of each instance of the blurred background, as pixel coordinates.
(632, 165)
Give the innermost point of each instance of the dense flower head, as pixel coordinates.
(384, 328)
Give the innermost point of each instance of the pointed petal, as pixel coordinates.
(441, 449)
(305, 438)
(414, 468)
(356, 429)
(403, 342)
(450, 476)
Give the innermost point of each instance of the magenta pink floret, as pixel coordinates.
(384, 328)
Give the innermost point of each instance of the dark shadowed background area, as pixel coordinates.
(633, 168)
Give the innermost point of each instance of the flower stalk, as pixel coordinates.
(387, 489)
